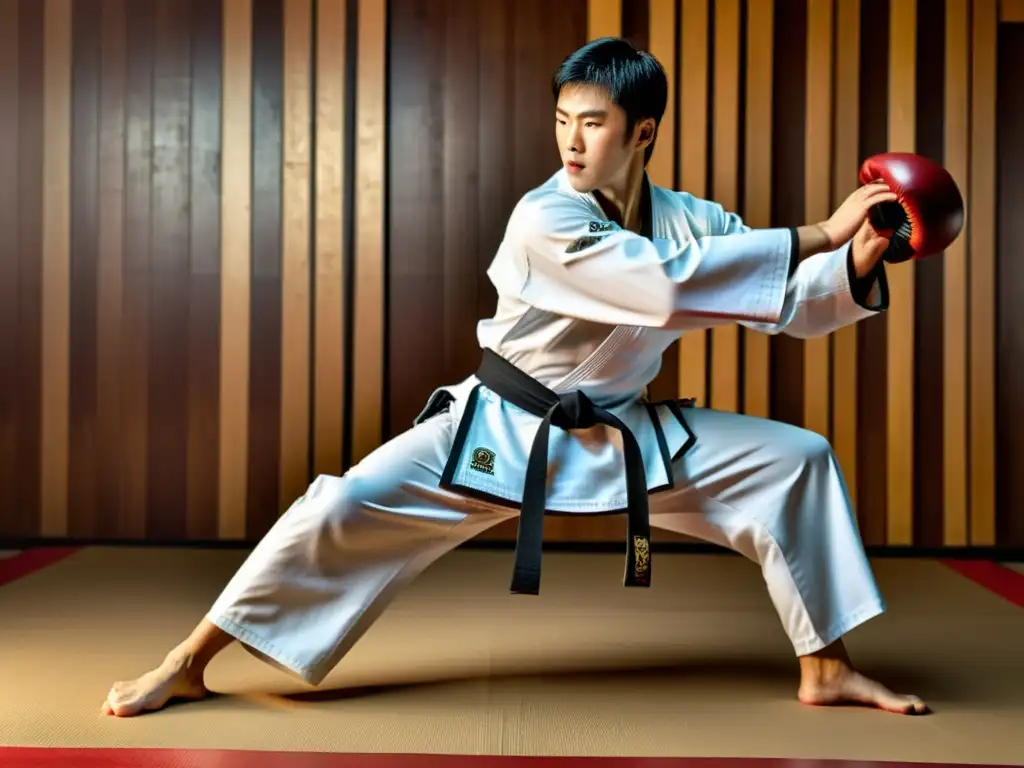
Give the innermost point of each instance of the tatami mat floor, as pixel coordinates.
(695, 666)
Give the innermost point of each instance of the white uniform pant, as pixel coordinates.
(332, 563)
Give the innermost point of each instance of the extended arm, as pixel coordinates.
(577, 264)
(824, 292)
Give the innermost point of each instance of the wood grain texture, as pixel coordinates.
(818, 151)
(956, 154)
(204, 276)
(236, 269)
(331, 169)
(692, 145)
(982, 245)
(368, 284)
(167, 483)
(56, 264)
(725, 178)
(296, 308)
(249, 237)
(900, 316)
(928, 384)
(113, 75)
(1011, 11)
(1010, 276)
(138, 279)
(757, 183)
(83, 394)
(265, 342)
(9, 265)
(788, 181)
(845, 161)
(604, 18)
(872, 404)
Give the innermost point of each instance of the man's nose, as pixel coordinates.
(572, 141)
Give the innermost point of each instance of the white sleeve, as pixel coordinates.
(820, 296)
(581, 266)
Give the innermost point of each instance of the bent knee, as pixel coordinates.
(796, 448)
(366, 509)
(810, 446)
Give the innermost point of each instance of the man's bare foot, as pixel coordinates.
(828, 678)
(175, 678)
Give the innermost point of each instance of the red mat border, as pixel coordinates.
(30, 561)
(39, 757)
(996, 578)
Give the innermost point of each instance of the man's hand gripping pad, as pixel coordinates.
(929, 212)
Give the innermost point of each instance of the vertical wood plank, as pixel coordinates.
(956, 143)
(725, 351)
(10, 520)
(817, 192)
(460, 195)
(982, 245)
(26, 517)
(110, 320)
(141, 31)
(295, 278)
(329, 286)
(604, 18)
(1011, 11)
(654, 26)
(419, 351)
(56, 252)
(845, 162)
(205, 271)
(789, 52)
(265, 298)
(1010, 317)
(236, 216)
(872, 466)
(692, 148)
(368, 333)
(757, 203)
(928, 383)
(83, 395)
(662, 45)
(900, 316)
(167, 484)
(498, 83)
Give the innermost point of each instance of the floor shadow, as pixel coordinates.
(749, 673)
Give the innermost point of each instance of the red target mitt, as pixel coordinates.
(928, 214)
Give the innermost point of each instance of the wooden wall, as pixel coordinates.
(244, 240)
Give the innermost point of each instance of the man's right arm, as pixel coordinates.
(580, 265)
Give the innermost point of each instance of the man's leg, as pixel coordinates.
(775, 494)
(327, 568)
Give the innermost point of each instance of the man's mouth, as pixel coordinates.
(573, 167)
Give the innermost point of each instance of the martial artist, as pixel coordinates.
(598, 273)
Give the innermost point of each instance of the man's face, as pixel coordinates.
(591, 135)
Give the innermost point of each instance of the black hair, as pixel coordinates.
(635, 80)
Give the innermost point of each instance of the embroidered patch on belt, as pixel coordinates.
(580, 243)
(601, 226)
(641, 558)
(482, 461)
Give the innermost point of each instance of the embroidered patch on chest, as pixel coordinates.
(601, 226)
(581, 243)
(482, 460)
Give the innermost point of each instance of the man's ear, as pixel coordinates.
(645, 133)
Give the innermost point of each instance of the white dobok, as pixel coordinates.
(586, 306)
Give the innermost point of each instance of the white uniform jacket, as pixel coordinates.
(586, 305)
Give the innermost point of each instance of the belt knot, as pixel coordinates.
(574, 410)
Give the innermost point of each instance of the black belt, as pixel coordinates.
(573, 410)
